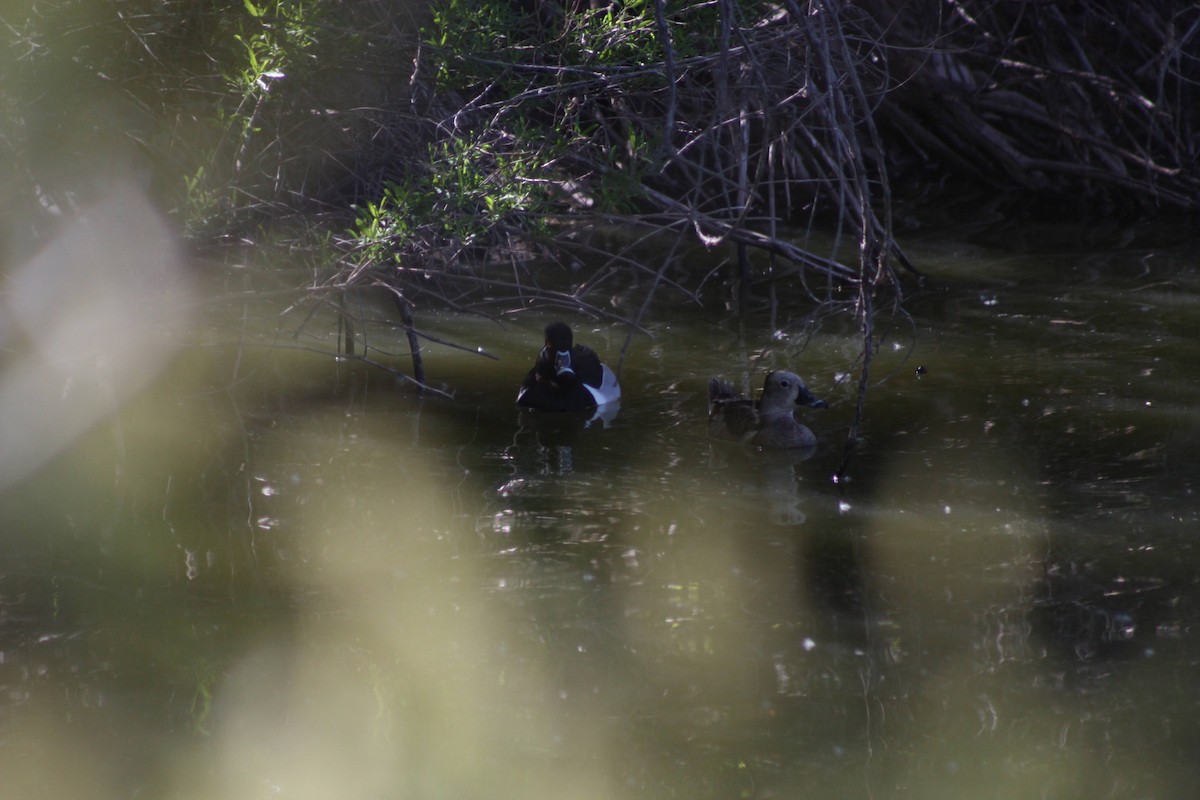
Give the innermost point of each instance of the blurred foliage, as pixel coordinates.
(231, 113)
(469, 192)
(467, 128)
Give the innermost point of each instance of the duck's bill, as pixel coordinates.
(806, 399)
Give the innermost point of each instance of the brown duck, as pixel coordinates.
(768, 422)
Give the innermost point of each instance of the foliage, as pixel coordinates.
(678, 109)
(266, 45)
(535, 83)
(464, 32)
(467, 198)
(1089, 107)
(471, 39)
(436, 145)
(227, 106)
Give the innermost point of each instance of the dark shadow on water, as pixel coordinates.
(1085, 616)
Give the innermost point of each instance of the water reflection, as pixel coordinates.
(312, 582)
(774, 475)
(549, 438)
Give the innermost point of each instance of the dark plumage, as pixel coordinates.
(567, 376)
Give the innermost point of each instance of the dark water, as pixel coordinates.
(269, 575)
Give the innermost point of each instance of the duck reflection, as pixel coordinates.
(773, 474)
(544, 499)
(782, 485)
(545, 443)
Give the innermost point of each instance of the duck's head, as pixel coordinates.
(782, 390)
(557, 351)
(559, 338)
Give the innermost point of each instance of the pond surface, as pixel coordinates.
(271, 575)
